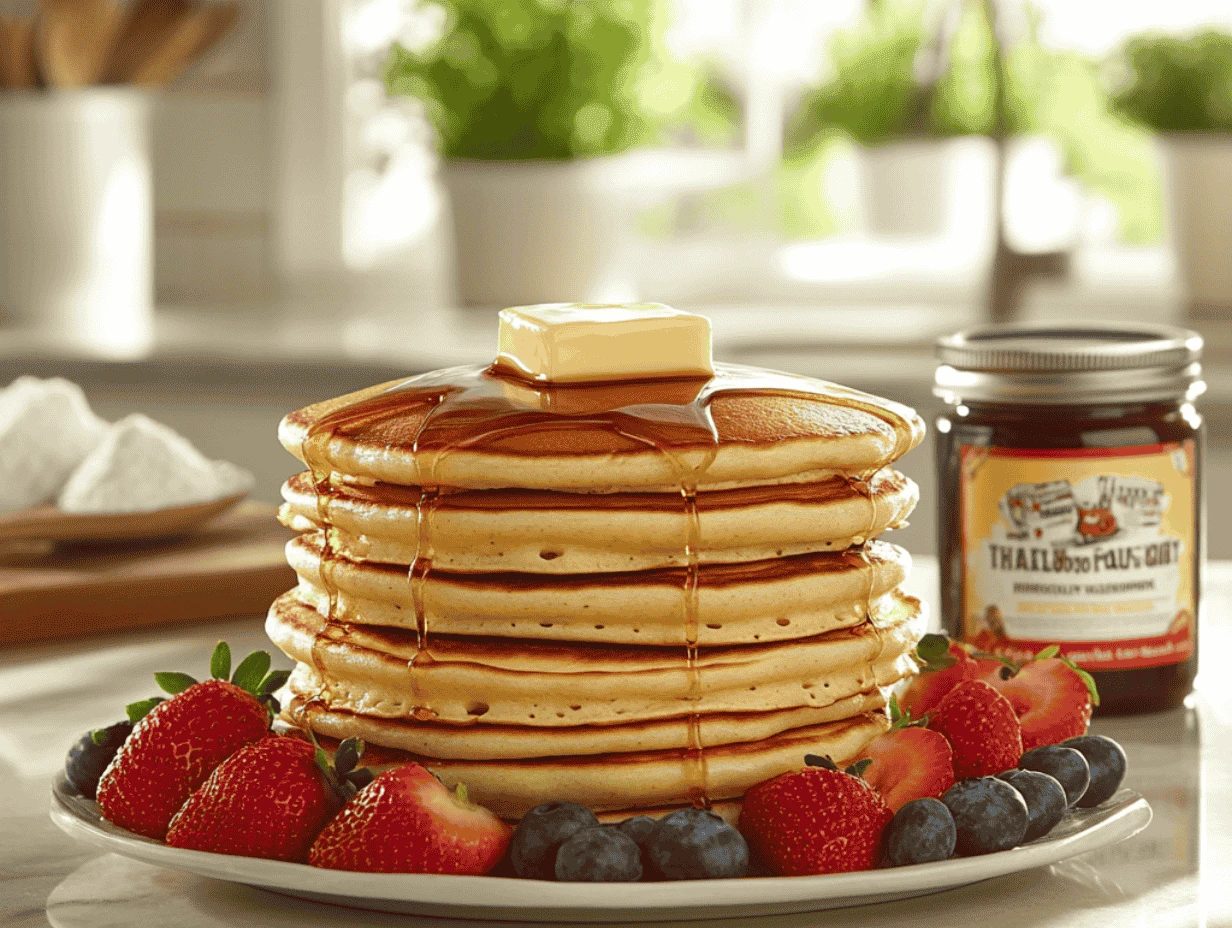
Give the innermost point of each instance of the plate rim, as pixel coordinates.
(511, 893)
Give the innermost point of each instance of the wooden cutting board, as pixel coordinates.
(231, 566)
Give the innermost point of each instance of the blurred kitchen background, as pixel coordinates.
(216, 212)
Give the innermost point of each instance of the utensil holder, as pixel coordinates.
(76, 218)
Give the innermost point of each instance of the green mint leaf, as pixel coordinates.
(172, 681)
(1051, 651)
(273, 682)
(1086, 678)
(136, 711)
(251, 671)
(99, 736)
(220, 661)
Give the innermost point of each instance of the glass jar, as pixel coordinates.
(1071, 510)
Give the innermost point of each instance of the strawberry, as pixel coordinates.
(178, 742)
(982, 729)
(908, 762)
(1052, 697)
(943, 665)
(269, 799)
(817, 820)
(406, 821)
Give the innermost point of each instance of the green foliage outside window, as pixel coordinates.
(555, 79)
(873, 97)
(1174, 84)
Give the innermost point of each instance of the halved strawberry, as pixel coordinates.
(406, 821)
(908, 762)
(943, 665)
(1052, 698)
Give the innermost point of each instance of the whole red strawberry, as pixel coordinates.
(943, 665)
(179, 741)
(982, 729)
(908, 762)
(269, 799)
(406, 821)
(1052, 698)
(817, 820)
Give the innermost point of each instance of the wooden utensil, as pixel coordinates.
(232, 566)
(18, 69)
(74, 38)
(48, 523)
(148, 25)
(192, 36)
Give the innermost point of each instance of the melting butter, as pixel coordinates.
(580, 342)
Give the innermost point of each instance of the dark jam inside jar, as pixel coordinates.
(1071, 504)
(1122, 692)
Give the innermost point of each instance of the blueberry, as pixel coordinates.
(693, 844)
(1045, 798)
(542, 831)
(1068, 766)
(599, 855)
(641, 829)
(989, 815)
(922, 831)
(1107, 761)
(87, 759)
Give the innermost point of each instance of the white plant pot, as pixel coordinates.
(76, 218)
(539, 231)
(929, 188)
(1198, 172)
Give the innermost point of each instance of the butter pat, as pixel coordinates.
(579, 342)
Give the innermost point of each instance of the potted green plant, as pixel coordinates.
(533, 103)
(1181, 88)
(912, 89)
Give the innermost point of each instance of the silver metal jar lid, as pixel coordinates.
(1080, 364)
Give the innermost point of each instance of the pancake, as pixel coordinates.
(776, 599)
(642, 780)
(469, 428)
(519, 742)
(381, 673)
(539, 531)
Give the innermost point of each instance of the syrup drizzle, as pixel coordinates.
(475, 408)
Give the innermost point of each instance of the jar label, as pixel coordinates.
(1088, 548)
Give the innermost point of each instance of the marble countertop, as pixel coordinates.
(1173, 874)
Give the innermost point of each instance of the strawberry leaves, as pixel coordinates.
(220, 661)
(251, 671)
(138, 710)
(342, 776)
(172, 682)
(825, 762)
(1085, 677)
(253, 675)
(901, 718)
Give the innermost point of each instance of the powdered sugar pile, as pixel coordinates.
(46, 431)
(141, 465)
(52, 446)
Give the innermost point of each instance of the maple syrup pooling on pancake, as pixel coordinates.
(473, 408)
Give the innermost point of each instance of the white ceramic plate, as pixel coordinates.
(500, 898)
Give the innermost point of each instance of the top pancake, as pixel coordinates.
(472, 428)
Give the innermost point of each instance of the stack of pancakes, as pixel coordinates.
(632, 596)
